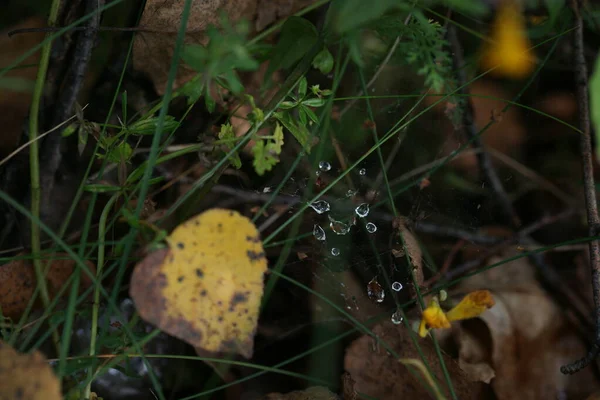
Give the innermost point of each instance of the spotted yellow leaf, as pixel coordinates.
(207, 287)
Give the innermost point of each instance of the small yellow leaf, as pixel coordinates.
(509, 53)
(207, 288)
(26, 376)
(473, 305)
(433, 317)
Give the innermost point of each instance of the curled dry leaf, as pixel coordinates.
(523, 340)
(18, 282)
(379, 375)
(413, 249)
(153, 51)
(26, 376)
(207, 287)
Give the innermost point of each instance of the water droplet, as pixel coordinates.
(397, 286)
(335, 251)
(371, 227)
(317, 173)
(351, 193)
(375, 291)
(362, 210)
(324, 166)
(320, 206)
(397, 317)
(362, 172)
(318, 232)
(338, 227)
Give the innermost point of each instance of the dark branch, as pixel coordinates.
(585, 145)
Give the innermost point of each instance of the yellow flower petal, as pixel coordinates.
(473, 305)
(433, 317)
(509, 53)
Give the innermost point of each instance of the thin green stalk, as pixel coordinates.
(96, 305)
(34, 164)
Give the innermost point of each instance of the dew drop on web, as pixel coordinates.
(397, 317)
(324, 166)
(371, 227)
(396, 286)
(362, 210)
(318, 232)
(362, 172)
(335, 251)
(338, 227)
(320, 206)
(375, 291)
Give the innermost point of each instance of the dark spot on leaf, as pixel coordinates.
(199, 273)
(220, 319)
(180, 245)
(234, 324)
(203, 293)
(220, 227)
(238, 298)
(253, 239)
(231, 213)
(219, 303)
(197, 223)
(181, 278)
(255, 256)
(246, 311)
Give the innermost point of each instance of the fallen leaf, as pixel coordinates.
(18, 282)
(26, 376)
(312, 393)
(408, 240)
(523, 340)
(153, 51)
(207, 287)
(348, 387)
(379, 375)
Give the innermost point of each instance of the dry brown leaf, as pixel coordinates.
(312, 393)
(412, 248)
(26, 376)
(379, 375)
(15, 104)
(524, 339)
(152, 52)
(18, 282)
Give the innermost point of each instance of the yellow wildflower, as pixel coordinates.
(509, 52)
(471, 306)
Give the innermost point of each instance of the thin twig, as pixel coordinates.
(585, 144)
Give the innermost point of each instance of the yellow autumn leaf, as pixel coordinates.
(26, 376)
(433, 317)
(471, 306)
(207, 288)
(509, 53)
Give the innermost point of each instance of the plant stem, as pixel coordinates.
(96, 304)
(34, 165)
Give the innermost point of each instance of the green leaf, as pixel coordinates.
(323, 61)
(99, 188)
(121, 152)
(209, 102)
(297, 37)
(69, 130)
(148, 126)
(227, 133)
(192, 90)
(302, 86)
(195, 56)
(470, 7)
(595, 103)
(300, 132)
(314, 102)
(302, 116)
(278, 138)
(311, 114)
(263, 159)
